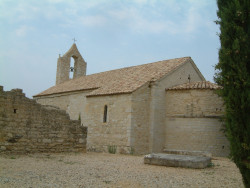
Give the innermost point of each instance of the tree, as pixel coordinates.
(233, 73)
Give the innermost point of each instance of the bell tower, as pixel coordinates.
(63, 65)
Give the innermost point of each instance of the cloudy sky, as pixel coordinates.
(110, 34)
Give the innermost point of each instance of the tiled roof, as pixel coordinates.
(125, 80)
(196, 85)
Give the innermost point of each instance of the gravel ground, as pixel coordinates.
(109, 170)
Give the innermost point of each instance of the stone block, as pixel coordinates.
(172, 160)
(45, 140)
(2, 148)
(81, 140)
(185, 152)
(60, 140)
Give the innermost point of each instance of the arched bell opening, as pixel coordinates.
(71, 68)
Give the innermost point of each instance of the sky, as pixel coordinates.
(110, 34)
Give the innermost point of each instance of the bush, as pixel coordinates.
(112, 149)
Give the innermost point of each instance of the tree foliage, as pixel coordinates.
(233, 73)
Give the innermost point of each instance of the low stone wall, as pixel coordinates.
(29, 127)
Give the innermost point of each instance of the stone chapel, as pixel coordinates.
(141, 109)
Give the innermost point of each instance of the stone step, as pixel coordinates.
(186, 152)
(172, 160)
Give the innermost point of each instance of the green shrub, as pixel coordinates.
(131, 151)
(112, 149)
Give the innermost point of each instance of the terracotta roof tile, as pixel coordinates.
(196, 85)
(125, 80)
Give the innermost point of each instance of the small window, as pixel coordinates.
(15, 111)
(105, 114)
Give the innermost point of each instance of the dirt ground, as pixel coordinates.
(109, 170)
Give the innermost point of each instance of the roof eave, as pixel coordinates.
(167, 89)
(109, 94)
(41, 95)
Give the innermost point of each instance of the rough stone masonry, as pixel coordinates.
(29, 127)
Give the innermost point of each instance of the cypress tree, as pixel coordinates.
(233, 73)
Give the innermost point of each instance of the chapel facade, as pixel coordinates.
(141, 109)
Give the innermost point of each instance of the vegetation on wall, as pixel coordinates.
(112, 149)
(233, 73)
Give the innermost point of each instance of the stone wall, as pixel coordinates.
(73, 103)
(116, 131)
(26, 126)
(193, 103)
(193, 122)
(140, 120)
(158, 106)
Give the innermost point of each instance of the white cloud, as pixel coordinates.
(143, 25)
(55, 1)
(192, 20)
(140, 22)
(141, 1)
(96, 20)
(23, 30)
(25, 11)
(140, 16)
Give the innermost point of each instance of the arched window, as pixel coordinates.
(71, 71)
(105, 114)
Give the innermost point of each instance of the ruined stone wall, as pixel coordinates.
(26, 126)
(193, 122)
(158, 106)
(116, 131)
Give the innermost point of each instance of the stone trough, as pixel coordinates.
(173, 160)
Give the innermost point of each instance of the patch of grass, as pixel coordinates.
(69, 162)
(107, 181)
(209, 173)
(210, 165)
(131, 151)
(112, 149)
(12, 157)
(234, 180)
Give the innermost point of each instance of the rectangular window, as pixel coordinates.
(105, 114)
